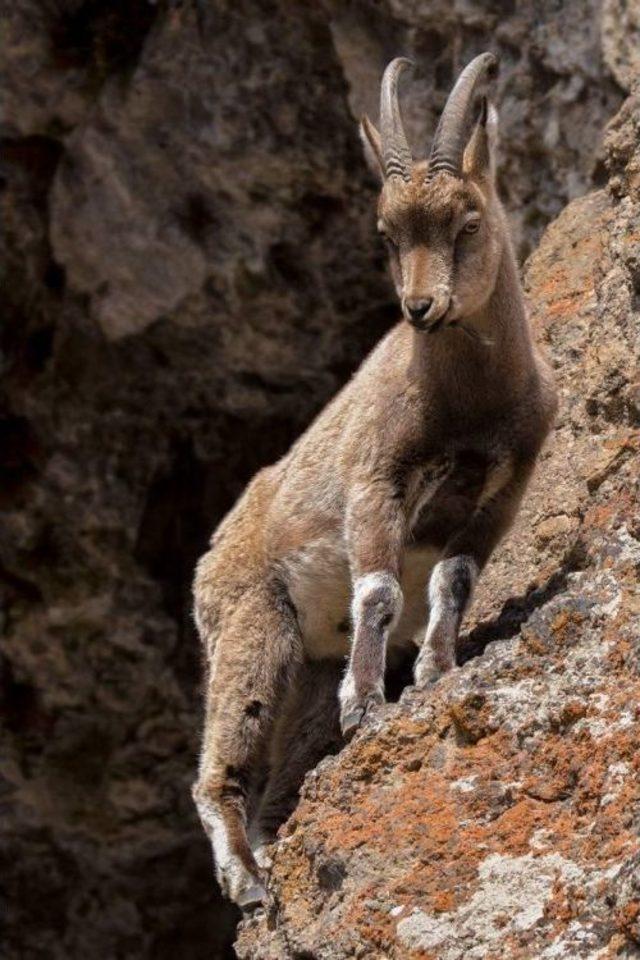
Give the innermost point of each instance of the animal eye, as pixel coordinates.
(388, 241)
(472, 225)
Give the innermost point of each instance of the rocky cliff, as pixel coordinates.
(191, 271)
(498, 814)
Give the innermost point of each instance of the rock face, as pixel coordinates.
(192, 271)
(498, 814)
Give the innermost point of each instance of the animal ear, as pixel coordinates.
(372, 147)
(480, 153)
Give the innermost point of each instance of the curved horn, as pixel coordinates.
(396, 152)
(453, 128)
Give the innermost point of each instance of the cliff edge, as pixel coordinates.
(498, 814)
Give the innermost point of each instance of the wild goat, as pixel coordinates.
(392, 501)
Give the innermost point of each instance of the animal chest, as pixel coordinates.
(455, 487)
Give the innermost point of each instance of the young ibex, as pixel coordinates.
(391, 503)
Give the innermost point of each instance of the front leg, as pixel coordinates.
(375, 531)
(454, 577)
(450, 589)
(376, 607)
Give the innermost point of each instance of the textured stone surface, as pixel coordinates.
(498, 814)
(621, 39)
(191, 271)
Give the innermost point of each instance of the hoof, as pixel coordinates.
(351, 721)
(251, 898)
(426, 678)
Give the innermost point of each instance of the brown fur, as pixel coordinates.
(388, 505)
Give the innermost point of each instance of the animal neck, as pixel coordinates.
(480, 373)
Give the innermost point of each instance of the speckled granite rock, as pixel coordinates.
(191, 271)
(498, 815)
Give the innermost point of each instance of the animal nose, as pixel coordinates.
(418, 309)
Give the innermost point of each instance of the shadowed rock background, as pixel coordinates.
(190, 272)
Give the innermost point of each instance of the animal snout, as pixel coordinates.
(428, 313)
(418, 310)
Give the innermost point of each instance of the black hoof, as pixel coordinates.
(252, 898)
(351, 721)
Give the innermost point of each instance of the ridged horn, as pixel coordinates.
(452, 131)
(395, 148)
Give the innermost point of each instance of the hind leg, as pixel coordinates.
(257, 650)
(306, 731)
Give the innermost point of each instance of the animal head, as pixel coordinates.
(440, 218)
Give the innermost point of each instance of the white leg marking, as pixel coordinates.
(380, 582)
(232, 875)
(376, 608)
(450, 590)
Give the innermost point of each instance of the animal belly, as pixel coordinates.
(320, 588)
(417, 567)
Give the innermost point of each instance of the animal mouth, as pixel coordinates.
(423, 326)
(440, 322)
(426, 324)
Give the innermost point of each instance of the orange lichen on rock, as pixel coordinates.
(497, 814)
(628, 920)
